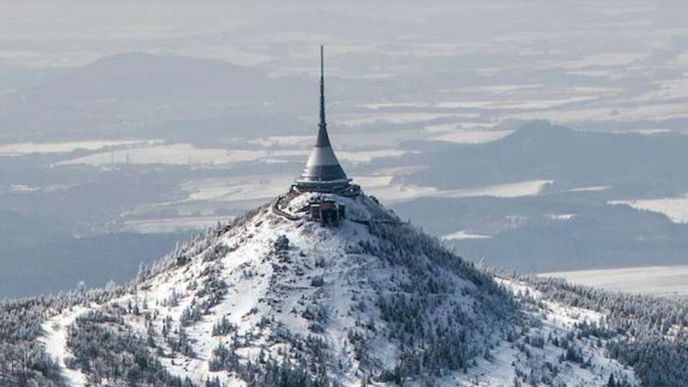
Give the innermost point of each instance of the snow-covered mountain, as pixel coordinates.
(276, 299)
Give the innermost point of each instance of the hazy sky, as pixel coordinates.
(64, 33)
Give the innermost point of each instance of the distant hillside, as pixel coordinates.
(124, 94)
(551, 232)
(631, 164)
(134, 76)
(38, 256)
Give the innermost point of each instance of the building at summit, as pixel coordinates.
(323, 172)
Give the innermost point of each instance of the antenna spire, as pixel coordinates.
(323, 172)
(322, 124)
(323, 138)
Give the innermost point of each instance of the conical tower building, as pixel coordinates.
(323, 172)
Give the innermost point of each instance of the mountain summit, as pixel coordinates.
(323, 286)
(279, 298)
(321, 289)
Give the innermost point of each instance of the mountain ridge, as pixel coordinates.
(272, 301)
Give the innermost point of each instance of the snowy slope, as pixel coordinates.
(55, 342)
(555, 320)
(372, 299)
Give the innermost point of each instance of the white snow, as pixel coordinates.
(463, 234)
(232, 189)
(675, 208)
(168, 154)
(402, 192)
(25, 148)
(283, 141)
(173, 224)
(470, 136)
(606, 59)
(249, 274)
(498, 372)
(401, 118)
(525, 104)
(55, 341)
(595, 188)
(188, 154)
(655, 280)
(507, 190)
(264, 285)
(364, 156)
(558, 320)
(562, 217)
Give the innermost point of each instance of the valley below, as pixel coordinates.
(666, 281)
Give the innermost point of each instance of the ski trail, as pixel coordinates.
(55, 341)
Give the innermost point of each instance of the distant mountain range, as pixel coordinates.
(630, 164)
(572, 223)
(39, 257)
(125, 94)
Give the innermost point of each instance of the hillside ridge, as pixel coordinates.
(270, 300)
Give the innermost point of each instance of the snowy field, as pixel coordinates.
(187, 154)
(675, 208)
(395, 193)
(654, 280)
(462, 136)
(175, 224)
(55, 342)
(25, 148)
(463, 234)
(174, 154)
